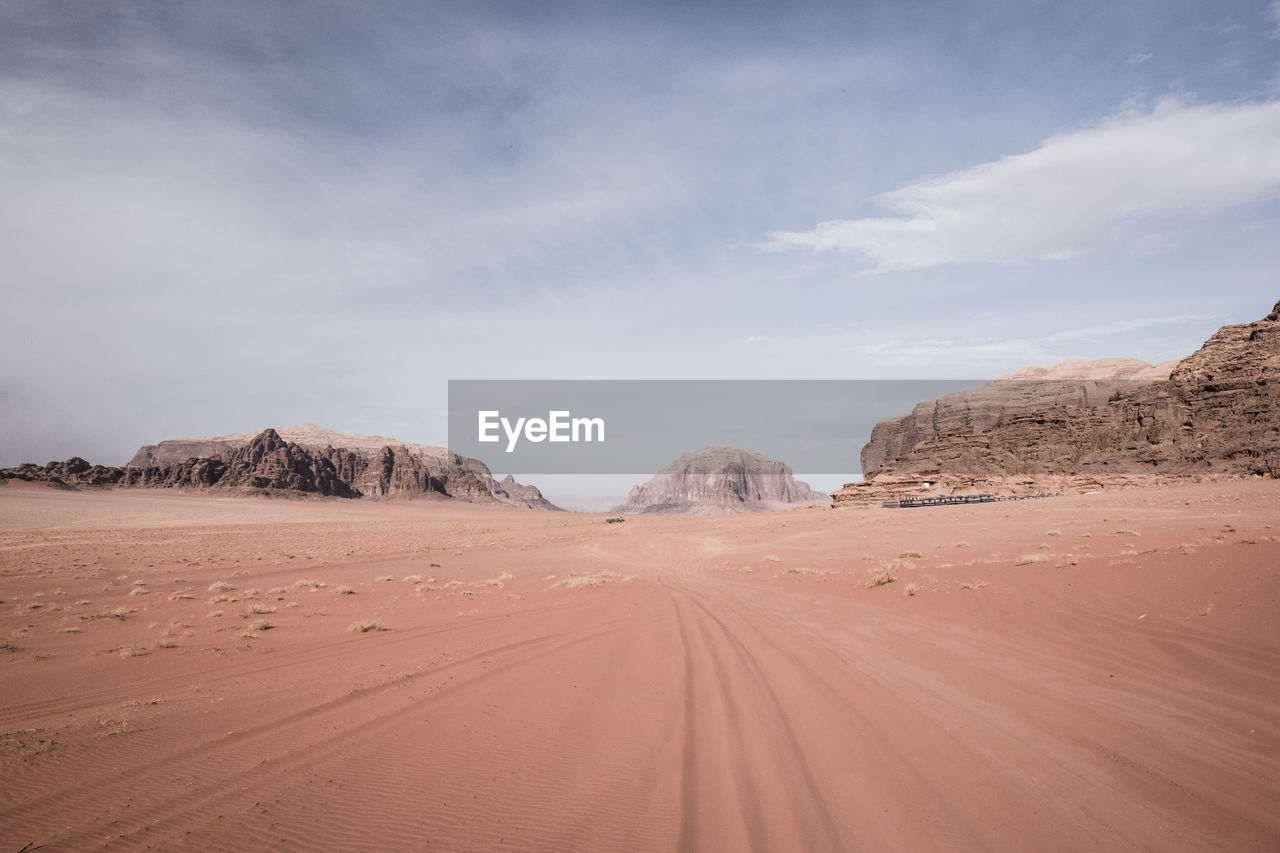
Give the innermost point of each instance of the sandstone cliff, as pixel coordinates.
(1072, 383)
(721, 480)
(1217, 414)
(320, 462)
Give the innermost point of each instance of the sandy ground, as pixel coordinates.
(1095, 672)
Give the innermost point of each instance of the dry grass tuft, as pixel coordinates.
(575, 581)
(910, 590)
(257, 610)
(411, 578)
(771, 558)
(344, 590)
(973, 585)
(881, 576)
(260, 625)
(384, 578)
(220, 586)
(1025, 559)
(139, 590)
(303, 584)
(1053, 533)
(366, 625)
(165, 643)
(911, 555)
(1068, 560)
(962, 544)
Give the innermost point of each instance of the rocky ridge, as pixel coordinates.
(328, 463)
(718, 480)
(1216, 415)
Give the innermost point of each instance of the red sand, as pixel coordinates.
(693, 683)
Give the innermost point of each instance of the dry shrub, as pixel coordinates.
(962, 544)
(313, 584)
(257, 610)
(1053, 533)
(220, 586)
(881, 576)
(366, 625)
(1025, 559)
(344, 590)
(260, 625)
(911, 555)
(910, 590)
(574, 581)
(1068, 560)
(139, 590)
(973, 584)
(771, 558)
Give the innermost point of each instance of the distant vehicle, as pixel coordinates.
(614, 519)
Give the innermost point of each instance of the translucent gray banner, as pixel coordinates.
(637, 426)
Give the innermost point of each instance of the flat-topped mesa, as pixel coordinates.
(1217, 414)
(721, 480)
(320, 461)
(1075, 382)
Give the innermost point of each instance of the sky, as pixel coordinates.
(216, 217)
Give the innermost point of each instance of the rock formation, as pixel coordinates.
(1217, 414)
(1072, 383)
(306, 459)
(721, 480)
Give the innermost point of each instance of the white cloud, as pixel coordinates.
(1121, 327)
(1273, 12)
(1072, 193)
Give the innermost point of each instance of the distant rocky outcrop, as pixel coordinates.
(721, 480)
(305, 459)
(1073, 383)
(1217, 414)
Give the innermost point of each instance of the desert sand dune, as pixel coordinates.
(1088, 672)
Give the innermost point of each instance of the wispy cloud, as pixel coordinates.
(1121, 327)
(1273, 12)
(1072, 193)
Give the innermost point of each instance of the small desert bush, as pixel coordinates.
(257, 610)
(1068, 560)
(384, 578)
(220, 586)
(314, 584)
(366, 625)
(911, 555)
(72, 629)
(1126, 533)
(1053, 533)
(260, 625)
(165, 643)
(214, 614)
(973, 585)
(120, 613)
(910, 590)
(1025, 559)
(882, 576)
(772, 558)
(344, 590)
(181, 596)
(962, 544)
(219, 599)
(411, 579)
(139, 590)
